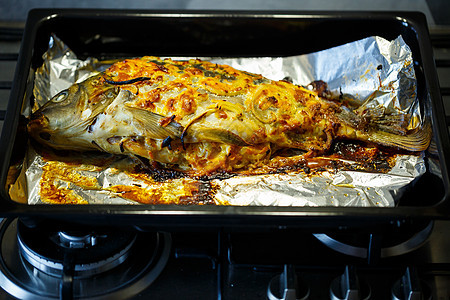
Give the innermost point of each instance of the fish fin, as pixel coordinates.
(151, 124)
(389, 130)
(374, 119)
(395, 124)
(377, 117)
(414, 140)
(219, 135)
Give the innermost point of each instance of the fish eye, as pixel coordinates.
(45, 136)
(60, 97)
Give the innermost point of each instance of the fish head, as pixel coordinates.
(70, 112)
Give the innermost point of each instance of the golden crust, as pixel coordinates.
(264, 114)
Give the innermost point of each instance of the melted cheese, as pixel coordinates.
(234, 119)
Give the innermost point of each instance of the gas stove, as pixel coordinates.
(44, 259)
(50, 260)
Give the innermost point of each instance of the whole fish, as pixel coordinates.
(203, 117)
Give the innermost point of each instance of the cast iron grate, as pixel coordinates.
(8, 57)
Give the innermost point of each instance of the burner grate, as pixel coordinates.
(10, 38)
(25, 278)
(90, 252)
(440, 39)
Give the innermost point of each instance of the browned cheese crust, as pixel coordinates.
(248, 116)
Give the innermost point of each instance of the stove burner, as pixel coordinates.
(48, 263)
(77, 239)
(92, 252)
(406, 239)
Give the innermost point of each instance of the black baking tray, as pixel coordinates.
(112, 34)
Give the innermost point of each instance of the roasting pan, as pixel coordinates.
(112, 34)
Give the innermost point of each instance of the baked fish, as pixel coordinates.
(201, 117)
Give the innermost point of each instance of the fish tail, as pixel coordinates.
(387, 130)
(414, 140)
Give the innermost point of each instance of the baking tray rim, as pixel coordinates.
(415, 19)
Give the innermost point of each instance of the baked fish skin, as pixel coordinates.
(202, 117)
(62, 120)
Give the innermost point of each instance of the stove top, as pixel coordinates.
(43, 262)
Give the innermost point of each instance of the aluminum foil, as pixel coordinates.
(374, 72)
